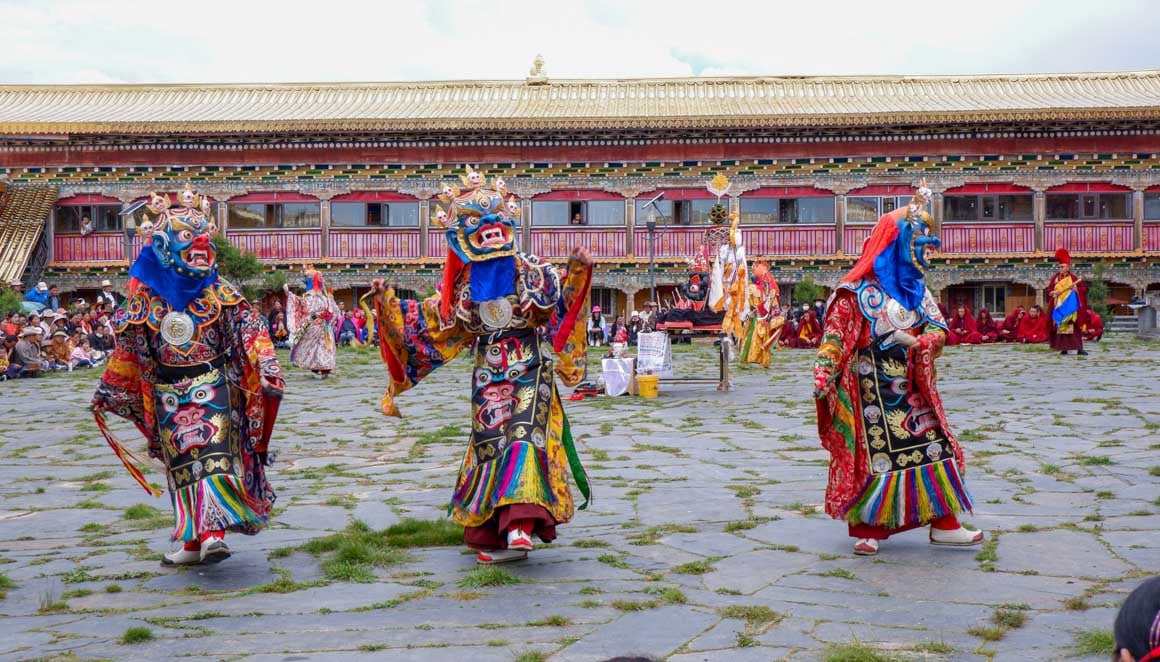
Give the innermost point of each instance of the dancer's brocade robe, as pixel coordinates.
(761, 331)
(311, 319)
(520, 451)
(200, 406)
(894, 461)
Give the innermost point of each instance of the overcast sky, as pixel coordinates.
(122, 41)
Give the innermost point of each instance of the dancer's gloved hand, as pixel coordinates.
(905, 339)
(581, 255)
(272, 387)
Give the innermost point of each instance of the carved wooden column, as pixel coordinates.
(1138, 218)
(223, 217)
(629, 226)
(526, 226)
(1039, 213)
(424, 224)
(324, 221)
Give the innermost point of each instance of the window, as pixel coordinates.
(606, 299)
(676, 212)
(994, 298)
(260, 215)
(374, 214)
(604, 212)
(1067, 206)
(104, 218)
(806, 210)
(759, 211)
(551, 213)
(662, 209)
(988, 208)
(1152, 206)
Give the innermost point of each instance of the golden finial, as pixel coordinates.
(719, 185)
(536, 75)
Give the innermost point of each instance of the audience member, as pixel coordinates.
(1093, 327)
(1137, 627)
(82, 355)
(278, 331)
(596, 327)
(58, 351)
(24, 360)
(961, 328)
(1009, 332)
(1033, 327)
(987, 327)
(39, 294)
(108, 297)
(346, 330)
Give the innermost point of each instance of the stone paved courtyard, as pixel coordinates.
(704, 542)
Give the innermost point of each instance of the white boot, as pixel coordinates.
(182, 556)
(517, 539)
(960, 537)
(214, 550)
(866, 547)
(500, 556)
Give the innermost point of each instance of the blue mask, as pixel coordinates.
(901, 267)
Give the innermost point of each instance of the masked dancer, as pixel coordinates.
(517, 312)
(311, 319)
(195, 371)
(894, 462)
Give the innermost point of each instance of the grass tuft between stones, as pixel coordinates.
(137, 634)
(856, 652)
(1094, 643)
(488, 576)
(353, 554)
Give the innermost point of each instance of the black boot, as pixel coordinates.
(1063, 353)
(1081, 353)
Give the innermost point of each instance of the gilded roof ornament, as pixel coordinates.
(536, 75)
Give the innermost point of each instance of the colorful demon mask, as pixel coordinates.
(895, 252)
(181, 234)
(193, 412)
(179, 259)
(480, 224)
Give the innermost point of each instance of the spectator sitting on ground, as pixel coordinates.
(8, 344)
(1033, 328)
(11, 326)
(1137, 627)
(596, 327)
(347, 331)
(101, 340)
(58, 351)
(24, 360)
(82, 355)
(278, 331)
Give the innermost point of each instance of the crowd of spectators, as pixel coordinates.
(44, 336)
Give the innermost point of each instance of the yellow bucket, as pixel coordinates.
(646, 385)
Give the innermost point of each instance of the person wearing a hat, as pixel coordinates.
(1067, 307)
(39, 294)
(58, 350)
(596, 329)
(7, 344)
(107, 296)
(24, 359)
(648, 319)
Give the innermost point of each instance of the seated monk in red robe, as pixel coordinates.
(1009, 332)
(986, 326)
(1033, 328)
(1093, 328)
(961, 328)
(809, 333)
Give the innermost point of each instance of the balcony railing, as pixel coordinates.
(279, 245)
(977, 238)
(672, 242)
(96, 247)
(1152, 237)
(1090, 236)
(559, 242)
(374, 243)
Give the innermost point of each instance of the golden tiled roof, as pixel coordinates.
(22, 214)
(677, 103)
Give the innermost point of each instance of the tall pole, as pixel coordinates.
(651, 224)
